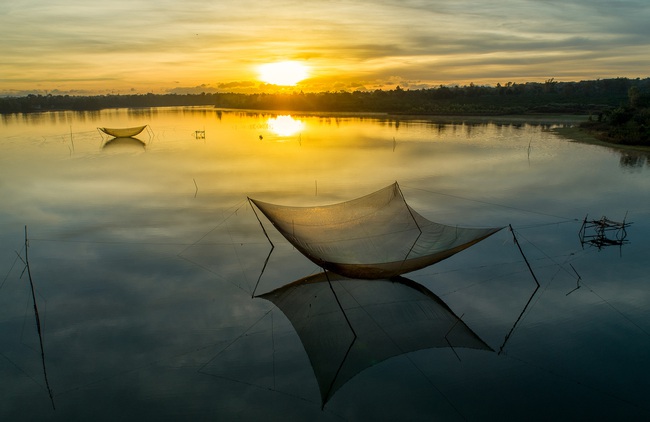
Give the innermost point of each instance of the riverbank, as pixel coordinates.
(533, 119)
(565, 125)
(577, 134)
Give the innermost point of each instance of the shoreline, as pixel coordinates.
(576, 134)
(534, 119)
(569, 131)
(537, 119)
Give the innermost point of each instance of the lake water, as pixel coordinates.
(145, 254)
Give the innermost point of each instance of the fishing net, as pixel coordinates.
(376, 236)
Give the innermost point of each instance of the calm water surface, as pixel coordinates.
(145, 253)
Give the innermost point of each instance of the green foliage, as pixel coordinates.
(628, 124)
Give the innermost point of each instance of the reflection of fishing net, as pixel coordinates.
(349, 325)
(375, 236)
(603, 232)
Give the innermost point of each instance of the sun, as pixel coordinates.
(287, 73)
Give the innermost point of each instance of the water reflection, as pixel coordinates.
(124, 143)
(144, 266)
(347, 325)
(633, 160)
(285, 125)
(604, 232)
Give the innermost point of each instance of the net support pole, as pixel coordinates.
(414, 221)
(260, 221)
(354, 339)
(271, 251)
(529, 299)
(266, 261)
(522, 254)
(38, 320)
(339, 303)
(512, 329)
(407, 207)
(447, 338)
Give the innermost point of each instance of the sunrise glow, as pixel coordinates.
(287, 73)
(233, 47)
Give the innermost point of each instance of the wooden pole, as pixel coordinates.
(38, 319)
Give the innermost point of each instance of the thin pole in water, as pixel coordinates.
(339, 303)
(250, 201)
(529, 299)
(447, 338)
(522, 254)
(38, 319)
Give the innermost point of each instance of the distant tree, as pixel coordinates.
(633, 95)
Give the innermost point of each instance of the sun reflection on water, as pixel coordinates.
(285, 125)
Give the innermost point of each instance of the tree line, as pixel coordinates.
(627, 124)
(583, 97)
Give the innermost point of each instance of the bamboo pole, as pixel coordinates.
(38, 319)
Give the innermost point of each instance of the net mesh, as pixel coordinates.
(357, 323)
(376, 236)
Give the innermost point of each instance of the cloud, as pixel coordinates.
(73, 44)
(236, 86)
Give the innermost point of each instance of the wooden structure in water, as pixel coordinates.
(603, 232)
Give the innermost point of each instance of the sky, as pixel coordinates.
(89, 47)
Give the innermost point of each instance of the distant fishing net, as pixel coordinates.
(376, 236)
